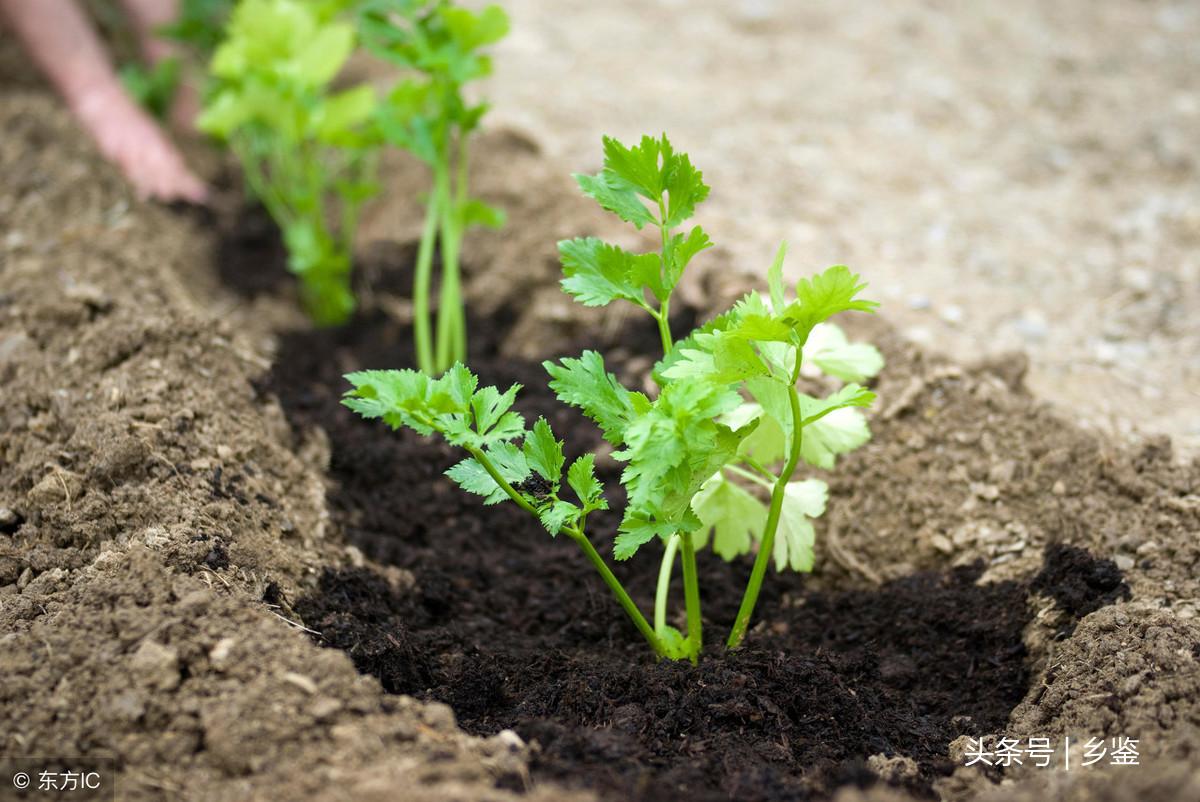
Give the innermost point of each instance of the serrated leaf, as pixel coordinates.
(598, 273)
(825, 295)
(543, 453)
(556, 515)
(636, 532)
(584, 383)
(683, 249)
(838, 432)
(775, 279)
(636, 167)
(493, 420)
(732, 516)
(829, 351)
(620, 200)
(581, 476)
(684, 185)
(851, 395)
(802, 501)
(474, 478)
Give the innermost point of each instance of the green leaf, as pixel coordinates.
(584, 383)
(775, 279)
(474, 478)
(581, 476)
(823, 296)
(493, 420)
(598, 273)
(476, 212)
(828, 349)
(683, 249)
(838, 432)
(341, 113)
(730, 514)
(472, 31)
(618, 199)
(556, 515)
(321, 58)
(852, 395)
(544, 454)
(636, 532)
(636, 167)
(802, 501)
(684, 185)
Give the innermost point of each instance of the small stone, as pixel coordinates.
(987, 492)
(219, 654)
(224, 453)
(157, 665)
(1032, 326)
(24, 579)
(918, 303)
(1059, 489)
(1149, 547)
(1003, 472)
(300, 681)
(1105, 353)
(1124, 562)
(952, 314)
(942, 543)
(128, 706)
(325, 707)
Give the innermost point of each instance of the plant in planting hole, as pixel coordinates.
(308, 153)
(427, 115)
(727, 408)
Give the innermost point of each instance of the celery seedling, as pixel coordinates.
(307, 152)
(428, 115)
(718, 388)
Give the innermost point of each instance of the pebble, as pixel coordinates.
(219, 654)
(157, 665)
(300, 681)
(1123, 561)
(1059, 488)
(918, 303)
(1032, 326)
(942, 543)
(952, 314)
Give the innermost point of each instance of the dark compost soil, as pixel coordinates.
(514, 630)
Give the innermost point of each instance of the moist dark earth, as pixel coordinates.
(513, 629)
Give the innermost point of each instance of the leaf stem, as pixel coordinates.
(581, 539)
(663, 591)
(691, 592)
(450, 311)
(753, 477)
(421, 282)
(766, 547)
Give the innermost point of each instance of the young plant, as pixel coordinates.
(428, 115)
(308, 153)
(716, 390)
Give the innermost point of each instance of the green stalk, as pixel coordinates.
(422, 280)
(450, 308)
(691, 592)
(750, 599)
(580, 538)
(664, 583)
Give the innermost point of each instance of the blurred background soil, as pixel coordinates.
(1017, 175)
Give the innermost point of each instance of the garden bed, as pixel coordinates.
(175, 489)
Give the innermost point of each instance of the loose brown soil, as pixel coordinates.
(161, 514)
